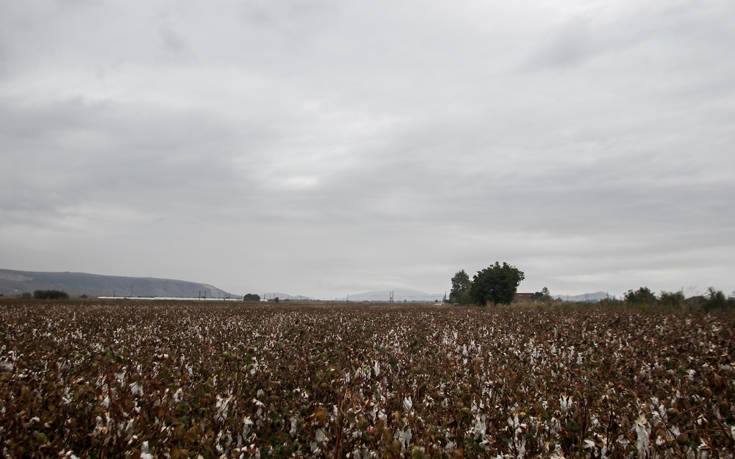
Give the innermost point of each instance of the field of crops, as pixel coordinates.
(178, 380)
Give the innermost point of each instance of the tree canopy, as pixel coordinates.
(543, 295)
(496, 284)
(460, 288)
(643, 295)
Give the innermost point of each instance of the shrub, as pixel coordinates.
(641, 296)
(543, 296)
(251, 297)
(672, 299)
(50, 295)
(715, 300)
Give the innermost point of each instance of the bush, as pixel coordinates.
(251, 297)
(715, 300)
(672, 299)
(543, 296)
(50, 295)
(641, 296)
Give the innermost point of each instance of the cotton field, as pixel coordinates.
(230, 380)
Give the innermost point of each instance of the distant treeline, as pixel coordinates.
(713, 300)
(50, 295)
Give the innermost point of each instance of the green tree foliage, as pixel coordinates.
(672, 299)
(50, 295)
(496, 284)
(251, 297)
(460, 288)
(715, 300)
(543, 295)
(643, 295)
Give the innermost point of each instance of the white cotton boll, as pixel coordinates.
(407, 404)
(642, 435)
(136, 389)
(178, 395)
(222, 407)
(404, 437)
(247, 423)
(320, 436)
(565, 402)
(294, 426)
(479, 428)
(66, 398)
(145, 452)
(376, 369)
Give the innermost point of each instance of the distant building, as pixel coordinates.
(523, 297)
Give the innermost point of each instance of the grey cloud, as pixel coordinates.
(656, 25)
(173, 41)
(323, 149)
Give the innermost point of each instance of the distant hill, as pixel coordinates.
(93, 285)
(398, 295)
(585, 297)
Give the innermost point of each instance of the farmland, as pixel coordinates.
(182, 379)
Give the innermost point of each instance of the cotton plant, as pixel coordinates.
(493, 374)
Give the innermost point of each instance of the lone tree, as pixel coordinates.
(496, 284)
(460, 288)
(251, 297)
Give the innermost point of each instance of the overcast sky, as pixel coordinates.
(331, 147)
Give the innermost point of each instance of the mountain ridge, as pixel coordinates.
(15, 282)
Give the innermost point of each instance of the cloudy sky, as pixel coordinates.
(330, 147)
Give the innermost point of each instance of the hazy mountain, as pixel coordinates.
(76, 284)
(398, 295)
(585, 297)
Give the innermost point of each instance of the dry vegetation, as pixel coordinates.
(184, 379)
